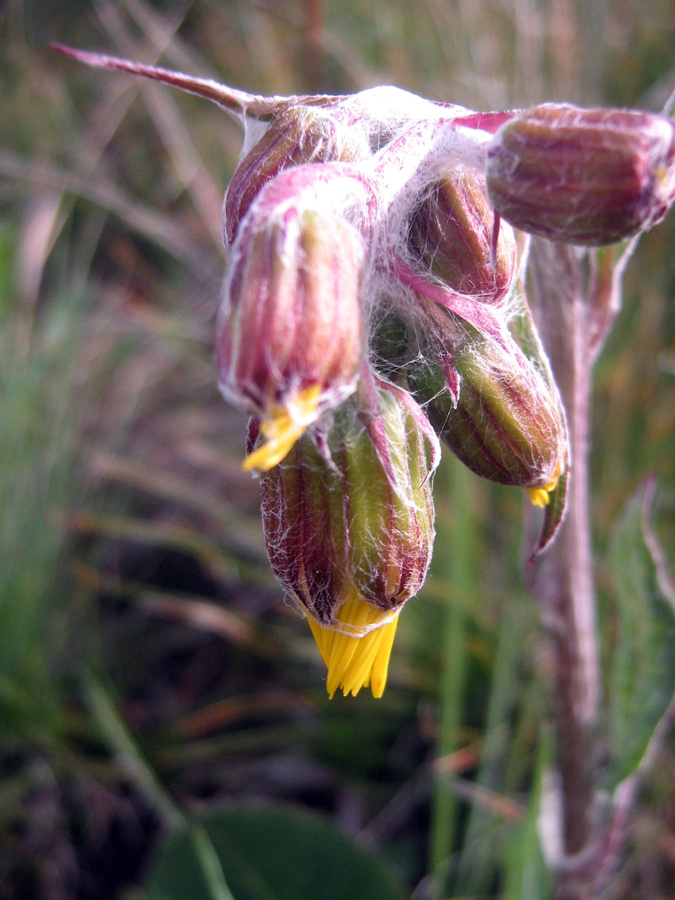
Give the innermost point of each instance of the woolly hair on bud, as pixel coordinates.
(407, 173)
(350, 513)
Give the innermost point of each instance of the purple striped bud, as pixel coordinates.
(494, 410)
(582, 176)
(451, 237)
(296, 136)
(289, 339)
(348, 522)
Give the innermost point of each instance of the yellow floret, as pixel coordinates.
(541, 496)
(356, 662)
(283, 428)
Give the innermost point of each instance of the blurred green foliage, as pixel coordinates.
(130, 543)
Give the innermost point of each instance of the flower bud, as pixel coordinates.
(289, 334)
(582, 176)
(451, 236)
(348, 522)
(489, 404)
(299, 134)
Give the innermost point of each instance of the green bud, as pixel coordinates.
(489, 404)
(582, 176)
(354, 512)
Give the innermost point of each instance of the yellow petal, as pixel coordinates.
(279, 444)
(355, 661)
(378, 676)
(283, 428)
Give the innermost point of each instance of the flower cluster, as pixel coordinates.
(374, 304)
(368, 311)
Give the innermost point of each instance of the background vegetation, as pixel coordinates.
(150, 673)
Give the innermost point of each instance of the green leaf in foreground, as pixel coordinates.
(268, 853)
(642, 674)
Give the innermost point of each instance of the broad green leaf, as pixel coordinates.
(270, 853)
(642, 673)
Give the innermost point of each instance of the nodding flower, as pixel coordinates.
(370, 238)
(348, 524)
(582, 176)
(495, 410)
(290, 334)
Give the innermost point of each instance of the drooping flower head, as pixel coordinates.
(348, 520)
(494, 410)
(290, 336)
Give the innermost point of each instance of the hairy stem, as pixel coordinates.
(564, 581)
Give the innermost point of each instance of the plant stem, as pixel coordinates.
(564, 582)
